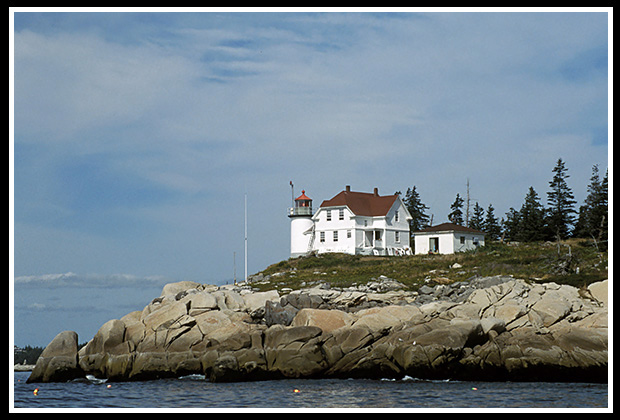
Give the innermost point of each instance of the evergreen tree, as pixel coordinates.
(511, 224)
(581, 226)
(561, 203)
(491, 226)
(592, 221)
(477, 219)
(456, 215)
(531, 222)
(416, 208)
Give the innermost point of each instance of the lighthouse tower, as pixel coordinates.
(302, 226)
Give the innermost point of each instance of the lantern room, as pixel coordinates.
(303, 206)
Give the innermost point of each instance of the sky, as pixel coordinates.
(137, 136)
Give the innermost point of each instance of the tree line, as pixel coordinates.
(532, 222)
(27, 355)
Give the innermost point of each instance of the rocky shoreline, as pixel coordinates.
(23, 368)
(494, 328)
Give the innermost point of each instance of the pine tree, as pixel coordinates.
(456, 215)
(561, 203)
(491, 226)
(593, 214)
(581, 226)
(476, 221)
(511, 224)
(531, 223)
(416, 208)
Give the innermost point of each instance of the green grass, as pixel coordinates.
(529, 261)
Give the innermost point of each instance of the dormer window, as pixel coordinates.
(329, 215)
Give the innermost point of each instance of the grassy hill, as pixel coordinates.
(576, 262)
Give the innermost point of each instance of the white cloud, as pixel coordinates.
(39, 307)
(88, 281)
(72, 85)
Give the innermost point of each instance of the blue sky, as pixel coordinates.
(136, 135)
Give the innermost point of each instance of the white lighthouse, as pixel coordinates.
(302, 225)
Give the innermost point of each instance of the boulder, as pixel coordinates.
(178, 287)
(58, 361)
(255, 301)
(164, 316)
(303, 299)
(599, 291)
(211, 321)
(229, 299)
(386, 317)
(198, 303)
(327, 320)
(109, 336)
(134, 328)
(294, 352)
(276, 314)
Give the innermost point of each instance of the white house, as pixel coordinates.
(351, 222)
(447, 238)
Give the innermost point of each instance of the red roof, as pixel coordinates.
(447, 227)
(303, 196)
(362, 204)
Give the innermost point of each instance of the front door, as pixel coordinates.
(433, 245)
(378, 239)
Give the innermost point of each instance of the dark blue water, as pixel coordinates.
(195, 392)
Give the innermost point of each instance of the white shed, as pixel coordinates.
(447, 238)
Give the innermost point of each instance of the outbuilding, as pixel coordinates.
(447, 238)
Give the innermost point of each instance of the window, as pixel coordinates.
(329, 215)
(322, 236)
(377, 235)
(341, 214)
(348, 234)
(462, 240)
(397, 236)
(396, 216)
(335, 236)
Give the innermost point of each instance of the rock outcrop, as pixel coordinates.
(494, 328)
(59, 361)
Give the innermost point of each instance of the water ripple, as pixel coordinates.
(196, 393)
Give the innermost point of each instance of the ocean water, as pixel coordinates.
(193, 392)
